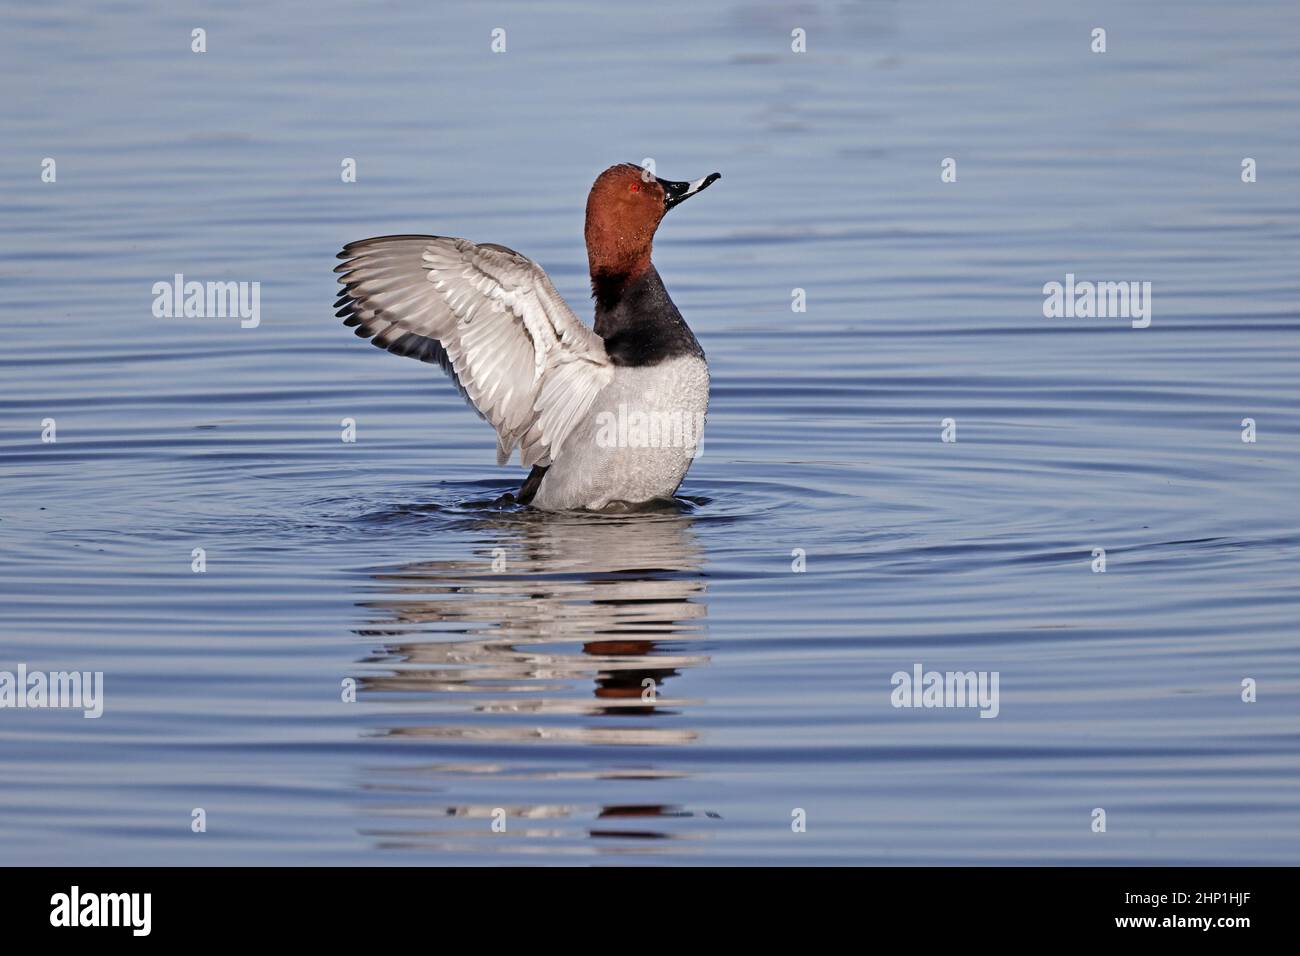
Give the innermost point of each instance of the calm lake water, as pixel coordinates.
(516, 694)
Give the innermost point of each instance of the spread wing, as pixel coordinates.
(492, 320)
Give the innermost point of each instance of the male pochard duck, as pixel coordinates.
(603, 417)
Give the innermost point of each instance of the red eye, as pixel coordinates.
(634, 188)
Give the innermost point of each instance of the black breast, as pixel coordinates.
(638, 321)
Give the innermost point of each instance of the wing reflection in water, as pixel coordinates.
(559, 631)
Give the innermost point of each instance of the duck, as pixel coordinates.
(605, 416)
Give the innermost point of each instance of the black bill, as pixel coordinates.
(675, 193)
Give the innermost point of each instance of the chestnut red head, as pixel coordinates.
(624, 208)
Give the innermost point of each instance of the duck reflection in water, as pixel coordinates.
(559, 629)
